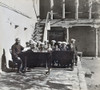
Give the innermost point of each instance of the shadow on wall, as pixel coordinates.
(3, 62)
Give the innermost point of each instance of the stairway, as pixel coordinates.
(38, 32)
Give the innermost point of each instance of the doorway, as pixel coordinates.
(57, 33)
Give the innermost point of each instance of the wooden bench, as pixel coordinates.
(64, 58)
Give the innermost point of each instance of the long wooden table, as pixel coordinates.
(46, 59)
(37, 59)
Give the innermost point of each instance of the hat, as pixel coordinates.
(53, 41)
(59, 42)
(73, 40)
(46, 41)
(17, 39)
(64, 42)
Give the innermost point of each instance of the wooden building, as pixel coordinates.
(79, 19)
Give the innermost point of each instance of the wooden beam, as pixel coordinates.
(67, 39)
(76, 8)
(45, 29)
(97, 43)
(51, 7)
(90, 9)
(63, 13)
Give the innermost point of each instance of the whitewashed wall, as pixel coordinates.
(8, 20)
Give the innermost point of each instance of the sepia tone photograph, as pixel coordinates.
(49, 44)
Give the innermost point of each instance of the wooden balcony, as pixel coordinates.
(73, 22)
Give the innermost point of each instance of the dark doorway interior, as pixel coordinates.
(58, 34)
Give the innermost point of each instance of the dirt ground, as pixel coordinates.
(91, 67)
(38, 80)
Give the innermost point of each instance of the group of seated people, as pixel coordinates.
(38, 47)
(47, 47)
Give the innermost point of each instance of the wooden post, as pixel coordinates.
(76, 9)
(63, 13)
(45, 29)
(51, 14)
(51, 7)
(67, 39)
(96, 43)
(90, 9)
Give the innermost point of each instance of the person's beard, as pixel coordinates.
(17, 43)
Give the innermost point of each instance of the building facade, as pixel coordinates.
(79, 19)
(17, 20)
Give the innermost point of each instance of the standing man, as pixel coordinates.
(74, 48)
(16, 50)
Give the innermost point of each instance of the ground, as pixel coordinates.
(58, 79)
(91, 67)
(37, 79)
